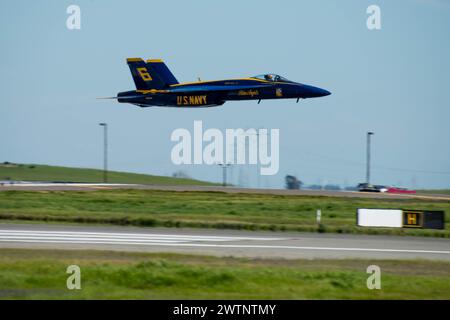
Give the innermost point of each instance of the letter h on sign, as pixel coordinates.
(412, 219)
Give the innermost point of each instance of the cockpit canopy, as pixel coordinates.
(271, 77)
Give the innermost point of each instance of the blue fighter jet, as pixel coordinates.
(157, 86)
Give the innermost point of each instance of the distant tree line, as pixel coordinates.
(293, 183)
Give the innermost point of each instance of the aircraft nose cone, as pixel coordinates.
(307, 91)
(318, 92)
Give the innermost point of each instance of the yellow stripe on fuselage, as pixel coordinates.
(152, 91)
(204, 82)
(210, 81)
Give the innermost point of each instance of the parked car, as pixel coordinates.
(400, 190)
(367, 187)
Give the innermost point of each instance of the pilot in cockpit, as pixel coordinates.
(268, 77)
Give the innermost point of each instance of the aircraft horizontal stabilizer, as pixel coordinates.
(121, 97)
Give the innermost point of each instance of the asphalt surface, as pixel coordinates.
(326, 193)
(223, 242)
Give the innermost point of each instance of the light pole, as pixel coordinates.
(224, 173)
(105, 151)
(368, 157)
(258, 167)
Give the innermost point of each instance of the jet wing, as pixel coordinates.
(212, 88)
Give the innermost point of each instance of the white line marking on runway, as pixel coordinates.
(87, 240)
(73, 237)
(63, 234)
(234, 246)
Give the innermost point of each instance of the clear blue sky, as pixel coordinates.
(394, 81)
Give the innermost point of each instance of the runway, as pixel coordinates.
(223, 242)
(325, 193)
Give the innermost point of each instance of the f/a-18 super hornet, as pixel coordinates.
(157, 86)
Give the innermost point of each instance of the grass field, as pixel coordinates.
(436, 191)
(33, 172)
(207, 210)
(41, 274)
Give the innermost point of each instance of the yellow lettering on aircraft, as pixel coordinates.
(144, 74)
(250, 93)
(191, 100)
